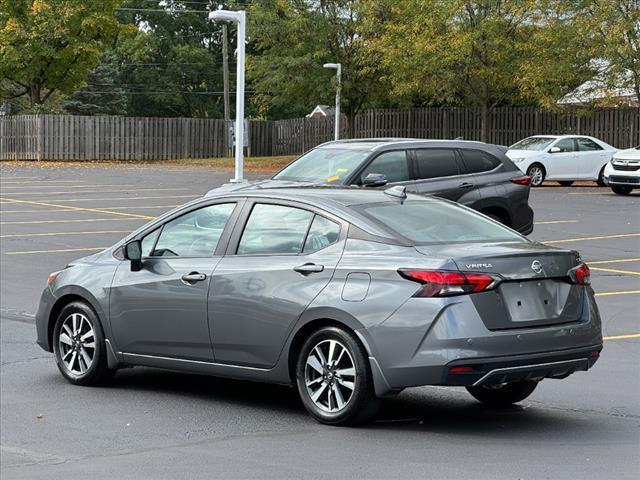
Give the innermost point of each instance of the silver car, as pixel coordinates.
(351, 295)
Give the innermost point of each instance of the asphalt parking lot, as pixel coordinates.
(157, 424)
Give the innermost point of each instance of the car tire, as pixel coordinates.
(79, 346)
(621, 189)
(350, 398)
(537, 174)
(600, 181)
(566, 183)
(503, 395)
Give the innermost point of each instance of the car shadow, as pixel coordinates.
(425, 409)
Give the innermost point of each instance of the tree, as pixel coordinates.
(479, 52)
(48, 46)
(101, 95)
(612, 28)
(290, 40)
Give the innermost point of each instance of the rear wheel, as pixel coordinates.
(537, 174)
(504, 394)
(334, 379)
(621, 189)
(566, 183)
(79, 347)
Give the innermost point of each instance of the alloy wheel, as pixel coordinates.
(77, 344)
(330, 376)
(536, 176)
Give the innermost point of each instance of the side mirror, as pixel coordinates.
(554, 150)
(374, 180)
(133, 253)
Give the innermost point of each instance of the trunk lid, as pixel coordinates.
(535, 291)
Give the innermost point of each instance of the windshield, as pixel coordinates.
(532, 143)
(434, 222)
(324, 165)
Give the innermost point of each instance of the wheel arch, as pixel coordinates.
(313, 320)
(67, 296)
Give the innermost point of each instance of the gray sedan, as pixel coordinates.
(351, 295)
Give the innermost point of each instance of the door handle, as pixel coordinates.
(309, 268)
(465, 185)
(193, 277)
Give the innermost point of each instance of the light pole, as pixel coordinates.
(338, 68)
(238, 17)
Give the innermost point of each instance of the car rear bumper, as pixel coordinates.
(493, 371)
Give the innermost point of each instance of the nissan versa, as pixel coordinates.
(348, 294)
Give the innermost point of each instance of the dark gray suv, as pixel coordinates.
(475, 174)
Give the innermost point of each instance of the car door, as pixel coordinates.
(394, 165)
(440, 172)
(278, 261)
(486, 174)
(563, 164)
(591, 158)
(161, 310)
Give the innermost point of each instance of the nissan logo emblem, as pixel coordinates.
(536, 266)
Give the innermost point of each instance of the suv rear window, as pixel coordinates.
(436, 162)
(476, 161)
(431, 221)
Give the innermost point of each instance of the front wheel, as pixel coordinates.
(504, 394)
(334, 378)
(537, 174)
(600, 180)
(621, 189)
(79, 347)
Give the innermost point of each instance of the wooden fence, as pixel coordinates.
(66, 137)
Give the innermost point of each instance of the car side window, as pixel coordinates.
(436, 162)
(476, 161)
(323, 232)
(588, 145)
(194, 234)
(566, 145)
(274, 229)
(393, 165)
(149, 241)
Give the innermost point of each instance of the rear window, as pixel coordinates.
(436, 163)
(426, 222)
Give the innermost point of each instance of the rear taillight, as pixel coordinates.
(446, 283)
(524, 180)
(581, 275)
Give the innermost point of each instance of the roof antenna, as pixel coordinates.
(399, 191)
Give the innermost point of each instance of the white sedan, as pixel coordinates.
(564, 158)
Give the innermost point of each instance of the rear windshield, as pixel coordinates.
(427, 221)
(533, 143)
(324, 165)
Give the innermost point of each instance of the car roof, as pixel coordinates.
(322, 196)
(378, 144)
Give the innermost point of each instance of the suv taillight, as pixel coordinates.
(580, 275)
(524, 180)
(443, 283)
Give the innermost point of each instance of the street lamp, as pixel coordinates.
(338, 68)
(238, 17)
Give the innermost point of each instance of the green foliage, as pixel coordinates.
(101, 95)
(291, 40)
(48, 46)
(484, 52)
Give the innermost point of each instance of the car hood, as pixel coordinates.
(523, 153)
(628, 154)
